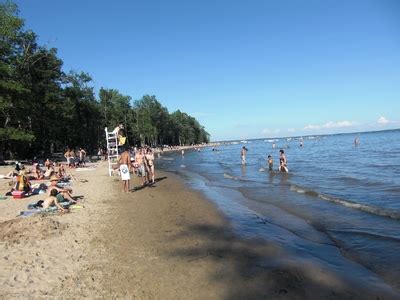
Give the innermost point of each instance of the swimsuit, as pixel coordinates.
(125, 175)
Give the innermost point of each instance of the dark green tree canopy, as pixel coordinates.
(43, 109)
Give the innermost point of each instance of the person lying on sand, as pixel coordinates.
(10, 175)
(14, 173)
(52, 200)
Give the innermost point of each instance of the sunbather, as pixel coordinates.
(65, 193)
(53, 200)
(23, 184)
(38, 171)
(61, 171)
(48, 163)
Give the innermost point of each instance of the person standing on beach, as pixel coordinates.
(149, 159)
(140, 163)
(125, 168)
(71, 158)
(82, 156)
(243, 154)
(68, 157)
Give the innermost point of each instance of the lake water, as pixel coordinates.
(338, 205)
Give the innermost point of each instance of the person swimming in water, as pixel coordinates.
(356, 141)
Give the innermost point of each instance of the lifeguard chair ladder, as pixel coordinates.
(112, 150)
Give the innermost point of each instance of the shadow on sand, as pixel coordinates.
(141, 187)
(254, 269)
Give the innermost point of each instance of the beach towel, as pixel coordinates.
(124, 172)
(76, 206)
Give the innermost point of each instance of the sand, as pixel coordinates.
(161, 242)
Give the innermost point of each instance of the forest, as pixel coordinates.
(44, 109)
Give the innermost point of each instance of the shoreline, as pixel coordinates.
(166, 241)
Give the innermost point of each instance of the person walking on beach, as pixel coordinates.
(125, 168)
(140, 165)
(149, 158)
(283, 162)
(243, 154)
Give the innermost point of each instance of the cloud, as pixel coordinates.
(312, 127)
(331, 125)
(266, 131)
(270, 131)
(383, 121)
(291, 130)
(339, 124)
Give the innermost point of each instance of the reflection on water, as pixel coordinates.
(243, 171)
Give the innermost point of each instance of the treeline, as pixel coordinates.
(44, 110)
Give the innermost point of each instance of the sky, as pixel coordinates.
(244, 69)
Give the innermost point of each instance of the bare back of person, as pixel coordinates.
(125, 158)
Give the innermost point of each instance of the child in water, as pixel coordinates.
(270, 163)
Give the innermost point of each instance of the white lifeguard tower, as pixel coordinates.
(112, 150)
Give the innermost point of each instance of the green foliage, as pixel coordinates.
(43, 109)
(15, 134)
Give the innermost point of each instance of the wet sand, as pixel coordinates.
(160, 242)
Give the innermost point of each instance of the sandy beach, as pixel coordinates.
(160, 242)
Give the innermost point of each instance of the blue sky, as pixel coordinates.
(244, 69)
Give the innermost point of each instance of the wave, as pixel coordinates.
(240, 179)
(230, 176)
(349, 180)
(375, 210)
(381, 166)
(393, 189)
(365, 233)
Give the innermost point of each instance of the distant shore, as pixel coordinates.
(160, 242)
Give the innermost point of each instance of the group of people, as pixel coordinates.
(140, 162)
(282, 160)
(37, 172)
(57, 196)
(75, 158)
